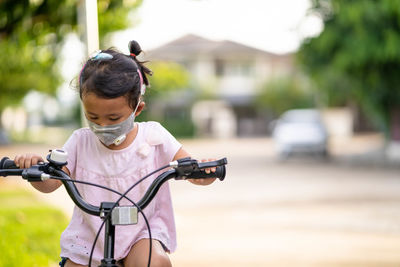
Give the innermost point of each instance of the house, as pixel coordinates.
(232, 73)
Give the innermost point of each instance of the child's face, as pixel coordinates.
(104, 111)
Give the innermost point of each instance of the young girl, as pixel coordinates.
(116, 152)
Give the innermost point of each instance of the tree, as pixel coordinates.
(169, 99)
(357, 57)
(31, 36)
(285, 93)
(168, 76)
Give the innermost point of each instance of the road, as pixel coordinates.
(302, 212)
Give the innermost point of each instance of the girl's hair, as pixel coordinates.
(112, 74)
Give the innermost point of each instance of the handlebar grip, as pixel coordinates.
(6, 163)
(219, 173)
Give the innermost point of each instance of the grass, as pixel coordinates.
(29, 230)
(42, 135)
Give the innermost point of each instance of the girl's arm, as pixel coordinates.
(27, 160)
(183, 154)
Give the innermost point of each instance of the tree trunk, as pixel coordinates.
(395, 124)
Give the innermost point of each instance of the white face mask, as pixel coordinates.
(115, 133)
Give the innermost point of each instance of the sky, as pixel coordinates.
(277, 26)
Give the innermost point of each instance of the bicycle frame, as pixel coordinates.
(106, 209)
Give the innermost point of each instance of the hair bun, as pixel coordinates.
(134, 48)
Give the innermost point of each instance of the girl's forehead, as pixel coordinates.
(98, 105)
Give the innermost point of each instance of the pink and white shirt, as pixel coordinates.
(89, 160)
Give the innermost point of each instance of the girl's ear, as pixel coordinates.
(140, 108)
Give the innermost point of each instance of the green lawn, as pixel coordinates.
(29, 230)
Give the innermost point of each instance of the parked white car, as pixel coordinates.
(300, 130)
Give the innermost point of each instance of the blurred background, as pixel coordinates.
(301, 96)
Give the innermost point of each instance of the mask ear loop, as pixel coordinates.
(122, 138)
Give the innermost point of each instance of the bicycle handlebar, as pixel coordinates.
(185, 168)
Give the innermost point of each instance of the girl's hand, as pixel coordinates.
(27, 160)
(205, 181)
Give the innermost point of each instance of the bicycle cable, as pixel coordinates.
(117, 202)
(89, 183)
(101, 226)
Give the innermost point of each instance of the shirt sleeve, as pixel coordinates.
(70, 147)
(168, 146)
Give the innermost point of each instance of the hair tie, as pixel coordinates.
(133, 55)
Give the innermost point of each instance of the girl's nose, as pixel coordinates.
(102, 123)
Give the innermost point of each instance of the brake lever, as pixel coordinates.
(212, 164)
(36, 173)
(184, 166)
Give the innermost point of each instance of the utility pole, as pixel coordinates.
(88, 27)
(88, 24)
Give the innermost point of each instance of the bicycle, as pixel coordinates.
(110, 212)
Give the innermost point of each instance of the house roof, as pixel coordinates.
(192, 45)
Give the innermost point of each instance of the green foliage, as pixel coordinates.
(30, 231)
(113, 15)
(167, 84)
(21, 73)
(356, 58)
(282, 94)
(31, 35)
(180, 128)
(167, 77)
